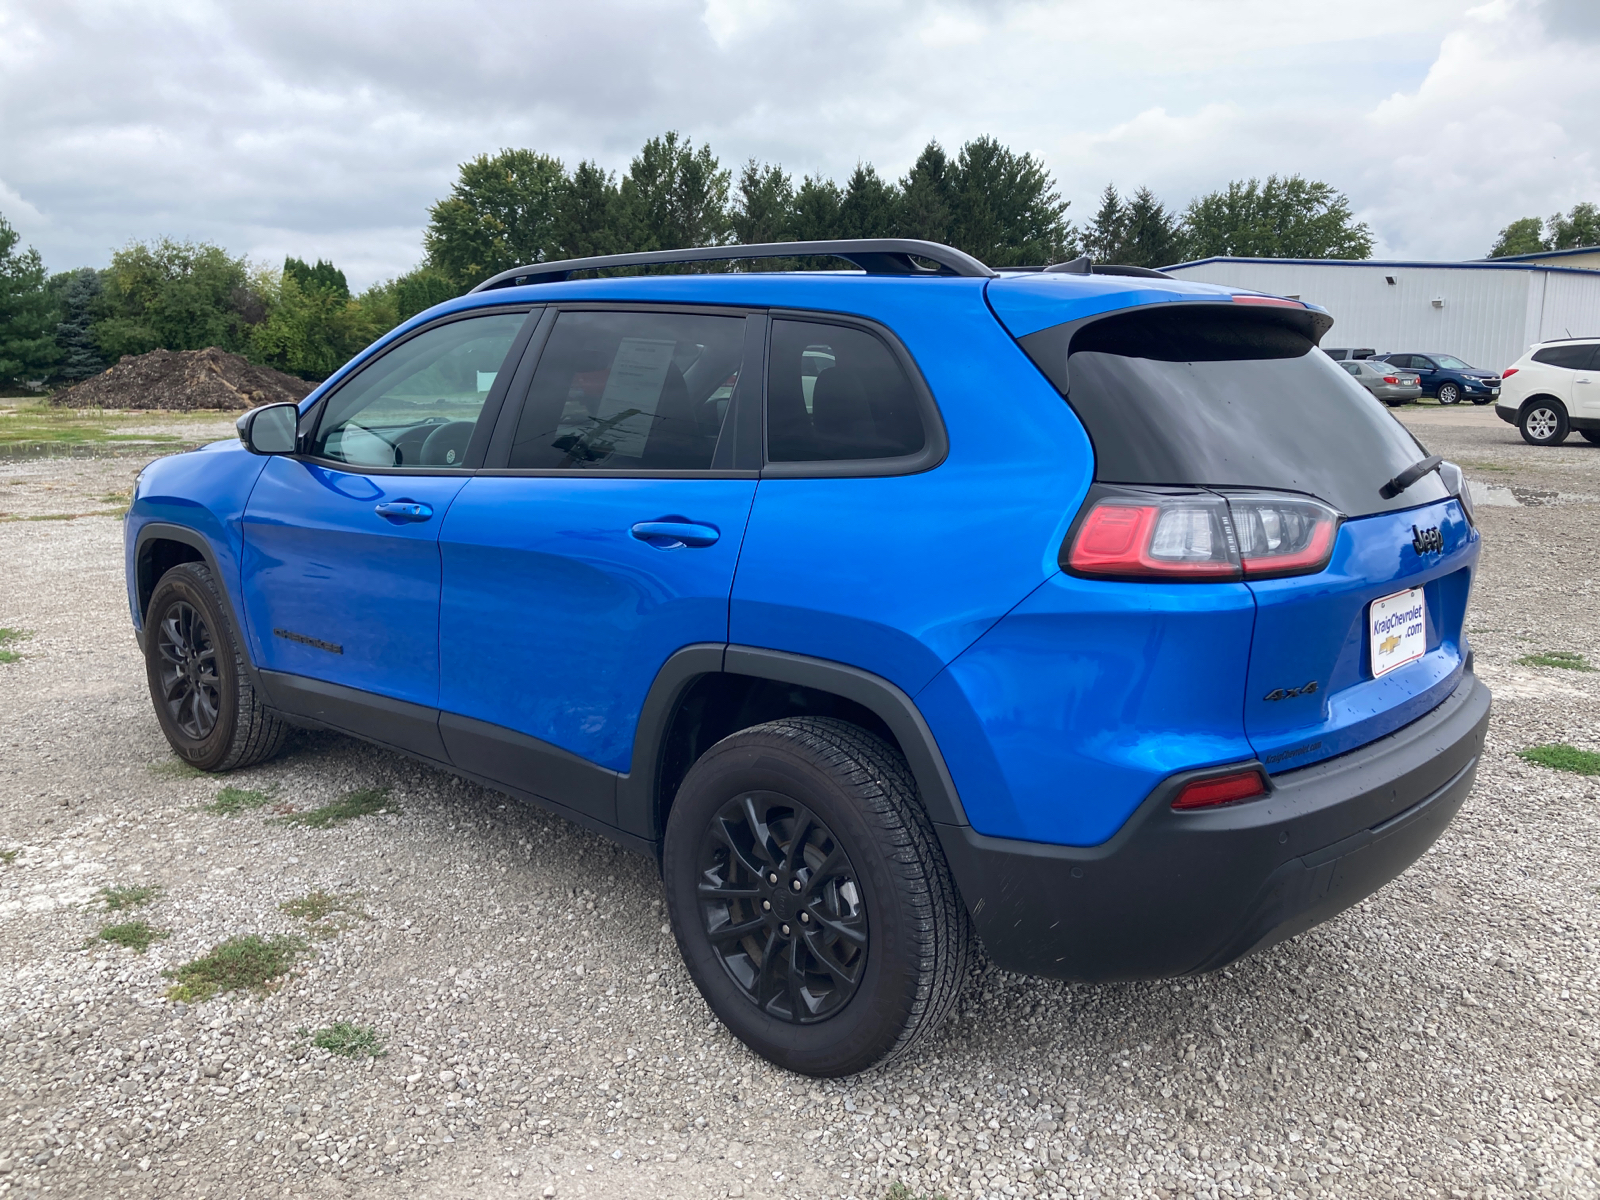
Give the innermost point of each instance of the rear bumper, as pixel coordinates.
(1178, 893)
(1508, 415)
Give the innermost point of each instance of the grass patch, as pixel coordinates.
(247, 963)
(175, 768)
(232, 801)
(347, 1040)
(117, 899)
(131, 935)
(25, 426)
(899, 1191)
(1563, 757)
(1483, 466)
(9, 856)
(1556, 658)
(360, 803)
(8, 636)
(327, 913)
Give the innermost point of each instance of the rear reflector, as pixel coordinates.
(1221, 789)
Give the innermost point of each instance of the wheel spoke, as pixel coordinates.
(723, 890)
(724, 833)
(761, 833)
(733, 932)
(847, 976)
(847, 929)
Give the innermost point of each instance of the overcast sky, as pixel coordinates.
(321, 128)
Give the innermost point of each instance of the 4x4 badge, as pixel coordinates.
(1305, 689)
(1423, 540)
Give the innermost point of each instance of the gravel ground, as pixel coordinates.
(543, 1040)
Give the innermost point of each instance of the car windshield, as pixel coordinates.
(1450, 363)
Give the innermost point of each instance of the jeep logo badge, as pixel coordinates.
(1424, 540)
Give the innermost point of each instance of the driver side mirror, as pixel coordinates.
(270, 429)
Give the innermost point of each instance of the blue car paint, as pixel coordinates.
(320, 563)
(555, 618)
(1313, 628)
(1028, 303)
(1065, 715)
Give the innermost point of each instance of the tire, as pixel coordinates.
(1592, 436)
(195, 667)
(1397, 403)
(872, 888)
(1449, 393)
(1543, 422)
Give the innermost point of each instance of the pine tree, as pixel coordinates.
(870, 208)
(1106, 238)
(816, 210)
(27, 316)
(673, 196)
(586, 225)
(763, 210)
(1006, 210)
(76, 294)
(927, 197)
(1153, 237)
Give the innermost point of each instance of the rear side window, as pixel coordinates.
(1206, 395)
(1573, 358)
(834, 393)
(630, 391)
(1352, 368)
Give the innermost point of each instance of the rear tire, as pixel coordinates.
(1592, 436)
(1480, 401)
(198, 682)
(1449, 393)
(860, 947)
(1543, 423)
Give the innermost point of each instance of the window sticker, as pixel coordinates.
(621, 422)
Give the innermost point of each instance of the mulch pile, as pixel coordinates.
(184, 380)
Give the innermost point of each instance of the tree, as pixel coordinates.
(928, 196)
(1006, 211)
(870, 206)
(76, 294)
(816, 209)
(586, 224)
(175, 296)
(312, 327)
(27, 316)
(1154, 238)
(397, 300)
(503, 211)
(1519, 237)
(1580, 227)
(763, 206)
(673, 196)
(324, 277)
(1288, 217)
(1106, 238)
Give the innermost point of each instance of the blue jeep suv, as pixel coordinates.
(1082, 612)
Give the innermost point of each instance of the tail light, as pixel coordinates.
(1221, 789)
(1391, 379)
(1129, 534)
(1509, 372)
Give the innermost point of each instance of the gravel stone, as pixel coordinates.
(1439, 1039)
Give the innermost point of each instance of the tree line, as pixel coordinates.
(519, 206)
(1530, 235)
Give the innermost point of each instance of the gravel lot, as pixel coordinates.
(543, 1040)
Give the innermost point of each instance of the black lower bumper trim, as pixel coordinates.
(1174, 893)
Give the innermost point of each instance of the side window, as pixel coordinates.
(1403, 361)
(836, 392)
(1353, 367)
(417, 405)
(1573, 358)
(630, 391)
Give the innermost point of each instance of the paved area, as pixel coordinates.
(541, 1039)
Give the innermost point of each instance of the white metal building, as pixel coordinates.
(1487, 313)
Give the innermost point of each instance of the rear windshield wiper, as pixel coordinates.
(1410, 475)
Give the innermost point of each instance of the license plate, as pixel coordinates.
(1397, 628)
(1494, 391)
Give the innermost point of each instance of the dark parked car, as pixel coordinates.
(1448, 378)
(1345, 354)
(1385, 381)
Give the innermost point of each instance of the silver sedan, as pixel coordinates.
(1389, 384)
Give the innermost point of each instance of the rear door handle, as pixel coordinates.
(404, 510)
(675, 533)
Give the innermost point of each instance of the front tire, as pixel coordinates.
(810, 896)
(1543, 423)
(1449, 393)
(198, 683)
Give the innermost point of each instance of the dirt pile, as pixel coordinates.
(184, 380)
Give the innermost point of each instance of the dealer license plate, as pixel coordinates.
(1397, 628)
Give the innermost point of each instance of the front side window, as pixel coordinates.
(630, 391)
(418, 405)
(837, 393)
(1450, 363)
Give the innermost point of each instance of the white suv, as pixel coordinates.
(1553, 389)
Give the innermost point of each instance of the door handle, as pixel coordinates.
(674, 533)
(404, 510)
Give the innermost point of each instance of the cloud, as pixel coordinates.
(326, 130)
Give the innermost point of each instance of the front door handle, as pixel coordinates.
(674, 533)
(404, 510)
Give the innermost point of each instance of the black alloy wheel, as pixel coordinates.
(1543, 423)
(1449, 393)
(781, 907)
(187, 656)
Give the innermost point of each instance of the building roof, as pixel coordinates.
(1540, 255)
(1488, 264)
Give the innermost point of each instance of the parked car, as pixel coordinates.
(1552, 390)
(1152, 665)
(1344, 354)
(1389, 384)
(1448, 378)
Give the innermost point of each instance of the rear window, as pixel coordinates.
(1194, 396)
(1573, 358)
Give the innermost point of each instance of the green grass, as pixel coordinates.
(7, 636)
(232, 801)
(116, 899)
(360, 803)
(347, 1040)
(1556, 658)
(899, 1191)
(328, 914)
(175, 768)
(247, 963)
(9, 856)
(132, 935)
(1563, 757)
(24, 426)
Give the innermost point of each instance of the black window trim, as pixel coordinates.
(488, 416)
(744, 466)
(936, 443)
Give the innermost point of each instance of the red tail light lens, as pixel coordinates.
(1221, 789)
(1391, 379)
(1200, 536)
(1509, 372)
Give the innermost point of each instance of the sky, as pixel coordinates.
(323, 128)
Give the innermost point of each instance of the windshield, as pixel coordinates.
(1450, 363)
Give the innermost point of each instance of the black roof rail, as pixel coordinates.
(1082, 265)
(875, 256)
